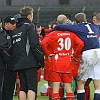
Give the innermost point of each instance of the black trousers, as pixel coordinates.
(1, 82)
(8, 85)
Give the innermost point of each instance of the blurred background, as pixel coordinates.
(47, 10)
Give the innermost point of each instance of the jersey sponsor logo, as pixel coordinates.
(16, 40)
(63, 34)
(16, 35)
(92, 36)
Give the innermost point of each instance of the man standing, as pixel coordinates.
(58, 45)
(8, 78)
(89, 66)
(27, 54)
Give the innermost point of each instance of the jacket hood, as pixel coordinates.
(21, 21)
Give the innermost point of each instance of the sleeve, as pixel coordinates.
(79, 44)
(34, 45)
(46, 45)
(72, 28)
(4, 47)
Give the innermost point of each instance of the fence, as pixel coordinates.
(44, 15)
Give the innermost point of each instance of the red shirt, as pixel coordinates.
(61, 44)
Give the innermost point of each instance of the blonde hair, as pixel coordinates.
(80, 17)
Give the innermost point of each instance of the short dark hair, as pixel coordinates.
(68, 15)
(25, 11)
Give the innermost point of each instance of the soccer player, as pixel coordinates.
(61, 43)
(90, 57)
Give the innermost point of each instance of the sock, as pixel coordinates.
(87, 92)
(49, 92)
(18, 89)
(69, 96)
(97, 95)
(55, 96)
(61, 92)
(80, 95)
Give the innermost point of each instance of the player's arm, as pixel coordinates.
(4, 47)
(34, 44)
(72, 28)
(46, 45)
(78, 46)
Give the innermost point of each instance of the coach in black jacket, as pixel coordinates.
(27, 53)
(7, 75)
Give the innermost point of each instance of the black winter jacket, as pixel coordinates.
(4, 48)
(27, 52)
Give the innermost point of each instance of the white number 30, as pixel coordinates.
(64, 44)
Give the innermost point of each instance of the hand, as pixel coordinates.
(50, 56)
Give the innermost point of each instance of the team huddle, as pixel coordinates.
(67, 52)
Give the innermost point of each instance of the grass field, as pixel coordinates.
(46, 97)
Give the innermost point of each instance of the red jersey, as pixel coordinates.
(47, 31)
(61, 44)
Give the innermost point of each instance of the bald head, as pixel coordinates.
(62, 19)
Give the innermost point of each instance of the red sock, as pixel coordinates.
(69, 96)
(87, 92)
(55, 96)
(49, 92)
(18, 89)
(61, 92)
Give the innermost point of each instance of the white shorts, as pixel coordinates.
(89, 65)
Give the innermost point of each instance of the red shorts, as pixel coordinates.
(39, 75)
(47, 74)
(61, 77)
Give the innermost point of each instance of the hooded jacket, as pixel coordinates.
(4, 48)
(27, 52)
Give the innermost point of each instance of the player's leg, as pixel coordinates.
(23, 85)
(87, 89)
(80, 90)
(31, 77)
(97, 89)
(67, 79)
(55, 93)
(9, 85)
(47, 77)
(56, 79)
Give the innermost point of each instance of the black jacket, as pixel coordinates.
(4, 50)
(27, 52)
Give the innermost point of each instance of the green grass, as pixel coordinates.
(46, 97)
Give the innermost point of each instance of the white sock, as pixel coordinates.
(80, 91)
(97, 91)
